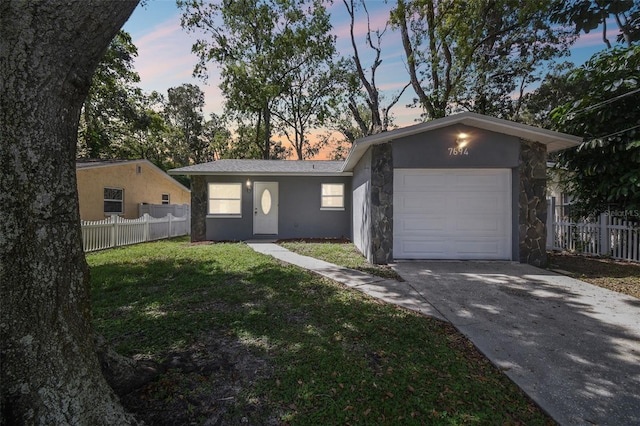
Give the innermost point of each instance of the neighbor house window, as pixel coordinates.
(166, 199)
(113, 200)
(563, 208)
(225, 199)
(332, 196)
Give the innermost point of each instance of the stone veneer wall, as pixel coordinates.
(198, 208)
(382, 203)
(533, 203)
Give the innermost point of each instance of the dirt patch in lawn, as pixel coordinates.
(623, 277)
(205, 384)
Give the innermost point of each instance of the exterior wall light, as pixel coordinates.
(462, 140)
(248, 184)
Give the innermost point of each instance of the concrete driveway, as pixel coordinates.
(573, 347)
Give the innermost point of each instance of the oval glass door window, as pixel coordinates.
(265, 202)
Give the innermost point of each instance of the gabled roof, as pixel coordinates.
(555, 141)
(263, 167)
(89, 164)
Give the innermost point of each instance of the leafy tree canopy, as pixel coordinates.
(454, 65)
(110, 103)
(587, 15)
(605, 169)
(266, 50)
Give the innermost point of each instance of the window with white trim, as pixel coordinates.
(166, 199)
(113, 201)
(332, 196)
(563, 207)
(225, 199)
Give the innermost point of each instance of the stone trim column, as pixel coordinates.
(532, 209)
(382, 203)
(198, 208)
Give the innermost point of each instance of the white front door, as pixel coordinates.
(452, 214)
(265, 208)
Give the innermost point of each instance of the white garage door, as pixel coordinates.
(452, 214)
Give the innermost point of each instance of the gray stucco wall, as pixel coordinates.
(373, 204)
(485, 149)
(299, 214)
(431, 150)
(361, 206)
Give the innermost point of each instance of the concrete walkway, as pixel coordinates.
(391, 291)
(573, 347)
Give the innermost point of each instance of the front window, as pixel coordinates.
(113, 201)
(332, 196)
(225, 199)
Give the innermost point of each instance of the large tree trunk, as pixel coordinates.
(48, 53)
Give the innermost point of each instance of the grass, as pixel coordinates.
(343, 254)
(270, 343)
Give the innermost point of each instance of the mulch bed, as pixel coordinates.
(623, 277)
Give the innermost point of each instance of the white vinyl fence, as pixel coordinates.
(161, 210)
(116, 231)
(606, 236)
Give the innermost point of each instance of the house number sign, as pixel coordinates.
(458, 151)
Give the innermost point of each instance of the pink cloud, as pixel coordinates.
(378, 18)
(165, 60)
(164, 54)
(160, 32)
(594, 38)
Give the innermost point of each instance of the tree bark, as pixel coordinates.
(50, 371)
(411, 60)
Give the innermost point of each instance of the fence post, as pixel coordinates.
(551, 207)
(188, 213)
(605, 239)
(146, 226)
(114, 222)
(170, 216)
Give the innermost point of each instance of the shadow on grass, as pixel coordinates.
(328, 355)
(594, 267)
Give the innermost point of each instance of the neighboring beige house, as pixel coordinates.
(108, 187)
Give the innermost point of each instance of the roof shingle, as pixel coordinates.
(291, 167)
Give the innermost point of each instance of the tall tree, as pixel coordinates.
(259, 45)
(605, 110)
(216, 137)
(378, 116)
(588, 15)
(555, 89)
(110, 105)
(50, 371)
(307, 104)
(308, 89)
(147, 136)
(183, 110)
(454, 65)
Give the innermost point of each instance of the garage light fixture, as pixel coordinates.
(462, 140)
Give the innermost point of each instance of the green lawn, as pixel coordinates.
(246, 339)
(340, 253)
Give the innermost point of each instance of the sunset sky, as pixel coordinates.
(165, 59)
